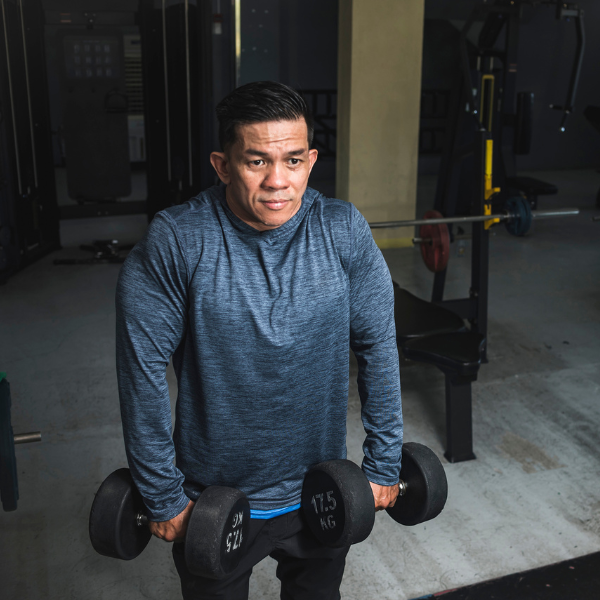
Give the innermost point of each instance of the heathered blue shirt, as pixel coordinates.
(259, 325)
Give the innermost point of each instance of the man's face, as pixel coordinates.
(266, 171)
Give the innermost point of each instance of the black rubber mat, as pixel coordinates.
(577, 579)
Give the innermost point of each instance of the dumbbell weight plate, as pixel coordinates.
(113, 525)
(217, 532)
(426, 486)
(337, 503)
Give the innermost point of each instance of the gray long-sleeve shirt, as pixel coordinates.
(258, 324)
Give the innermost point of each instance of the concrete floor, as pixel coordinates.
(531, 498)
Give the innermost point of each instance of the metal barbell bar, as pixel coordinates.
(535, 214)
(27, 438)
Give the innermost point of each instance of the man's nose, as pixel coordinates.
(277, 177)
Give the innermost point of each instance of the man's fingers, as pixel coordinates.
(174, 529)
(384, 495)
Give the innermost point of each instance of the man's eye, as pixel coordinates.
(295, 161)
(257, 163)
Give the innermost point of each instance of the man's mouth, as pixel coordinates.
(275, 204)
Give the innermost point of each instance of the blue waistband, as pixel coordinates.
(270, 514)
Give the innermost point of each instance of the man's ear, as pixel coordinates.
(312, 158)
(220, 164)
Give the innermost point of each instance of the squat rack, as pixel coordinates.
(474, 308)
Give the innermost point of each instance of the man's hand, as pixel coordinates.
(174, 529)
(385, 495)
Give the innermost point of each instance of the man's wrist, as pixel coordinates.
(375, 476)
(170, 511)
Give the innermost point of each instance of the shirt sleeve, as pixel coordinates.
(151, 308)
(373, 341)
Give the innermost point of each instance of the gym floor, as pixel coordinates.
(532, 497)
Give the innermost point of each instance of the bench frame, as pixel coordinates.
(459, 421)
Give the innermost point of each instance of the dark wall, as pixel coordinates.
(293, 41)
(546, 52)
(310, 41)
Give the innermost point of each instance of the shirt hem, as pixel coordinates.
(271, 514)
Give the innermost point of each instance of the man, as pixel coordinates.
(257, 289)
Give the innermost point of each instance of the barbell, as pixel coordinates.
(535, 214)
(434, 236)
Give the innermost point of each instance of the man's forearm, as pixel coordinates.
(379, 390)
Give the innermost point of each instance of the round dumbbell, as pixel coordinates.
(338, 504)
(216, 534)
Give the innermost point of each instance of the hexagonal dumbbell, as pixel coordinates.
(338, 504)
(215, 538)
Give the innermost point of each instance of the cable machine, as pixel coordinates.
(65, 100)
(485, 100)
(28, 211)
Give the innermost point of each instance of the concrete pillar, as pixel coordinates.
(379, 91)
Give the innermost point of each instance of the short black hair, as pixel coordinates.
(258, 102)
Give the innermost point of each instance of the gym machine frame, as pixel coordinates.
(459, 428)
(484, 98)
(471, 121)
(29, 227)
(475, 307)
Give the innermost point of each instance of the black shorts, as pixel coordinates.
(307, 570)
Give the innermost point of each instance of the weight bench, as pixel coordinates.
(532, 188)
(429, 333)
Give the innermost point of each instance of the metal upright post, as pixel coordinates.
(457, 145)
(481, 242)
(449, 173)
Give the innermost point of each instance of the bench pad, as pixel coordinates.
(455, 353)
(531, 186)
(416, 318)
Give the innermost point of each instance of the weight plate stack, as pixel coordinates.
(9, 485)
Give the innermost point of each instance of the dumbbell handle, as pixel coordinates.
(141, 519)
(27, 438)
(402, 487)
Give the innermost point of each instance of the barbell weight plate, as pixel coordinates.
(113, 524)
(528, 219)
(426, 486)
(217, 532)
(9, 484)
(520, 209)
(337, 503)
(435, 252)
